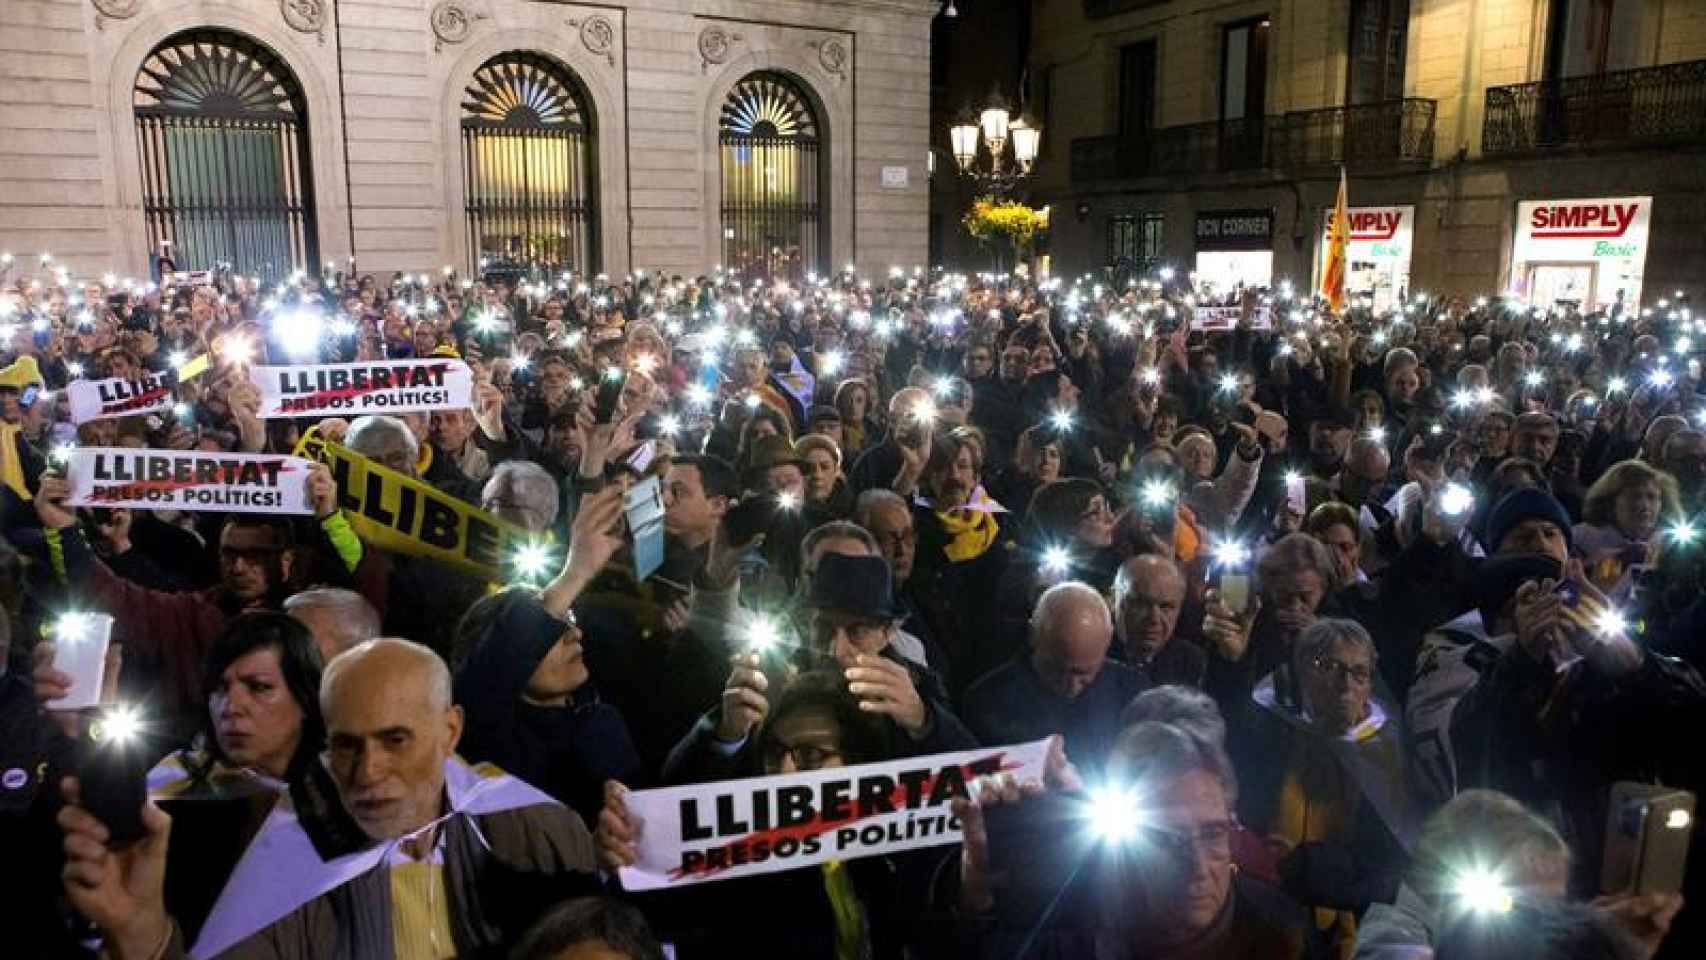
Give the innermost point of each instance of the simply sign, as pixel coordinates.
(379, 386)
(1613, 228)
(187, 480)
(115, 397)
(1377, 233)
(741, 828)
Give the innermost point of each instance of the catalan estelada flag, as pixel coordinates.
(1338, 240)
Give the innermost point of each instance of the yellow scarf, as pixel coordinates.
(11, 465)
(848, 910)
(970, 532)
(1319, 801)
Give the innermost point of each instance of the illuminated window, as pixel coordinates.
(221, 129)
(774, 222)
(528, 160)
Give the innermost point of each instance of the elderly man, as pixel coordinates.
(416, 597)
(523, 493)
(912, 423)
(1064, 683)
(397, 443)
(1149, 592)
(339, 619)
(1685, 459)
(854, 622)
(929, 612)
(451, 861)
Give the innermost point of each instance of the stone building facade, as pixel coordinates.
(382, 92)
(1463, 124)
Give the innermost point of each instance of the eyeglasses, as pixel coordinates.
(1212, 839)
(1097, 509)
(806, 756)
(1329, 667)
(862, 633)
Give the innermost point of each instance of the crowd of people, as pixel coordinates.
(1358, 617)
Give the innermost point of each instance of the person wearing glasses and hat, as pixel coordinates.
(853, 619)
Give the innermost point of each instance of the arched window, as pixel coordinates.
(527, 156)
(223, 132)
(774, 222)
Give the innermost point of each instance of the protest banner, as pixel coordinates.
(379, 386)
(116, 397)
(742, 828)
(392, 512)
(1216, 319)
(187, 480)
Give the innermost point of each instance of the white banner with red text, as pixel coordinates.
(1216, 319)
(355, 389)
(187, 480)
(117, 397)
(742, 828)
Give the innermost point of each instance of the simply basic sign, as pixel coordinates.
(378, 386)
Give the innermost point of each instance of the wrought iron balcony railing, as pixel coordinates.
(1393, 131)
(1649, 104)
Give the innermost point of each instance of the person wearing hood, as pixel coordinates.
(530, 705)
(1321, 754)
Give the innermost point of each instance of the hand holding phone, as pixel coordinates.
(1647, 833)
(80, 648)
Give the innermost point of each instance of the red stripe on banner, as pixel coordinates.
(817, 825)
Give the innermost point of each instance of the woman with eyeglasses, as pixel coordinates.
(1322, 757)
(861, 908)
(1148, 872)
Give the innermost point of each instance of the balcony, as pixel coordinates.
(1390, 132)
(1629, 107)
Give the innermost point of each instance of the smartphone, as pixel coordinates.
(112, 776)
(1234, 591)
(609, 394)
(80, 642)
(750, 517)
(1647, 831)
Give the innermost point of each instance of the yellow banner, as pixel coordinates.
(392, 512)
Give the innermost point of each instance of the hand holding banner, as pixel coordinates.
(742, 828)
(187, 480)
(403, 515)
(379, 386)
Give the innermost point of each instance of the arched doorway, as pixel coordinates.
(222, 129)
(775, 222)
(531, 182)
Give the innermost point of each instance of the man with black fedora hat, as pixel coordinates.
(853, 619)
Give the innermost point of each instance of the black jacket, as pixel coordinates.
(1011, 705)
(568, 751)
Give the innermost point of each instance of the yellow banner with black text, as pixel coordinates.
(390, 511)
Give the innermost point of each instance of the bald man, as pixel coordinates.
(912, 423)
(1063, 683)
(1149, 594)
(447, 860)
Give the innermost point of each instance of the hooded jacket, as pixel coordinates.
(567, 751)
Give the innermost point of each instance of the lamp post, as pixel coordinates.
(995, 128)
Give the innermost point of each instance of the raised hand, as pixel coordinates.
(885, 687)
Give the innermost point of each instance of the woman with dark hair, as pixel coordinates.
(261, 681)
(867, 907)
(529, 704)
(261, 737)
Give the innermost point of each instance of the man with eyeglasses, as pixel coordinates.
(928, 614)
(1324, 777)
(852, 624)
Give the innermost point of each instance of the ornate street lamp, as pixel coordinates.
(995, 128)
